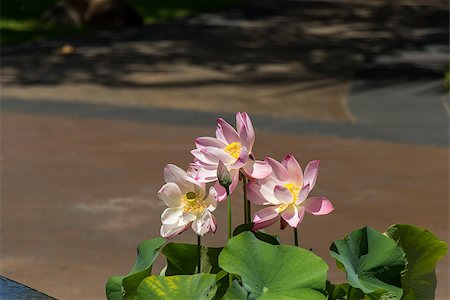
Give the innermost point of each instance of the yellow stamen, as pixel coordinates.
(234, 149)
(282, 207)
(294, 189)
(191, 204)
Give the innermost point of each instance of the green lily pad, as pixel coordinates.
(222, 281)
(124, 287)
(236, 292)
(182, 259)
(199, 286)
(341, 291)
(373, 262)
(274, 271)
(114, 289)
(260, 235)
(422, 252)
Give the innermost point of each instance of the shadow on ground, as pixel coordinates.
(264, 42)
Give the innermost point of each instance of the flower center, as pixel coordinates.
(234, 149)
(294, 189)
(191, 205)
(282, 207)
(190, 196)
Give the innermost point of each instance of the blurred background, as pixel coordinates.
(97, 96)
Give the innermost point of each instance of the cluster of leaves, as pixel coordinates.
(21, 19)
(397, 264)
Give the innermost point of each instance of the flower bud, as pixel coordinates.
(223, 175)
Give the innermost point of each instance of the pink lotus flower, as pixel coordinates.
(233, 148)
(286, 191)
(188, 204)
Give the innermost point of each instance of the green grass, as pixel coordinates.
(164, 10)
(20, 22)
(20, 19)
(17, 31)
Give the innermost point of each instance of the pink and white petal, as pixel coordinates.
(263, 224)
(211, 155)
(220, 136)
(199, 227)
(170, 231)
(303, 194)
(244, 138)
(294, 169)
(265, 217)
(199, 157)
(255, 196)
(293, 215)
(198, 163)
(213, 224)
(213, 194)
(192, 172)
(243, 157)
(197, 187)
(212, 199)
(204, 224)
(257, 169)
(167, 231)
(271, 180)
(235, 180)
(318, 206)
(278, 169)
(206, 174)
(221, 191)
(215, 155)
(195, 165)
(203, 173)
(202, 142)
(170, 194)
(242, 119)
(267, 186)
(171, 215)
(210, 220)
(245, 129)
(311, 172)
(283, 194)
(174, 174)
(226, 131)
(185, 219)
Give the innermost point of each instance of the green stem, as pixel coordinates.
(295, 236)
(244, 181)
(249, 212)
(349, 291)
(229, 213)
(199, 253)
